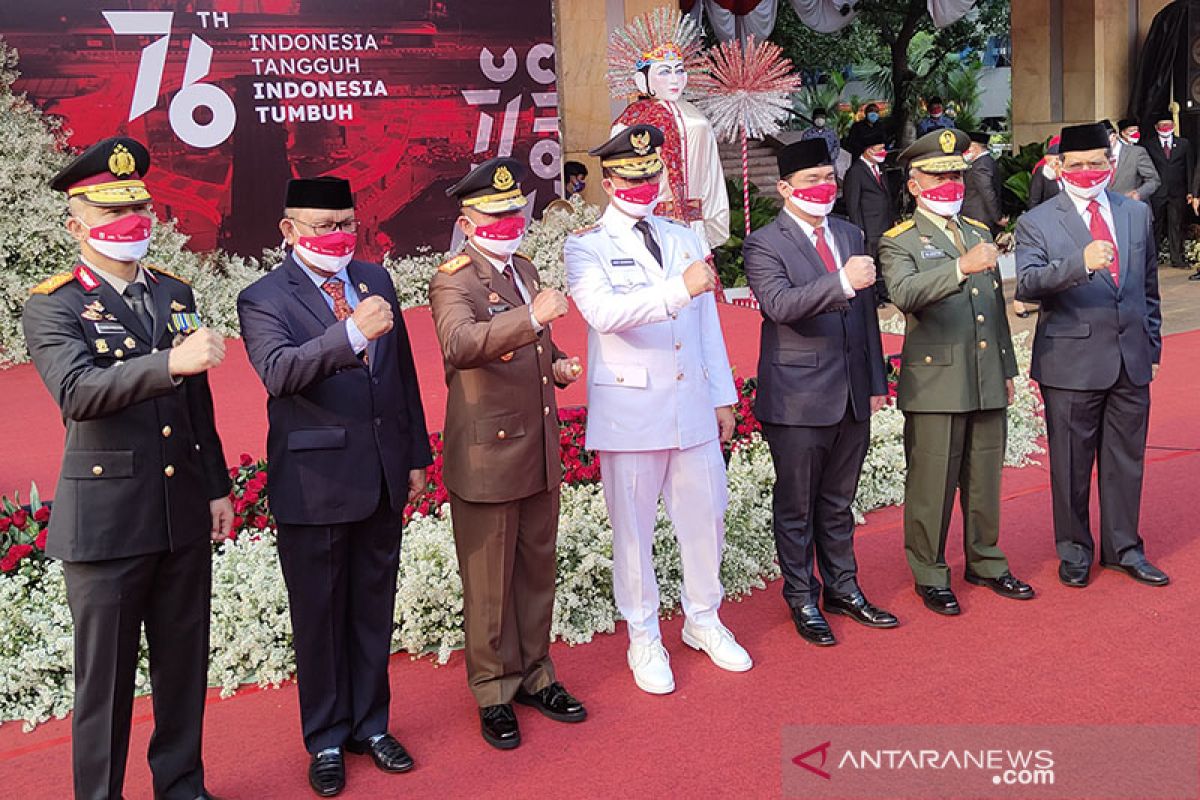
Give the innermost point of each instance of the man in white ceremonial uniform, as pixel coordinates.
(660, 402)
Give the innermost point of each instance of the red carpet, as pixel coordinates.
(32, 430)
(1114, 653)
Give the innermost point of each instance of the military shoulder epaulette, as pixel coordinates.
(976, 223)
(162, 271)
(455, 264)
(53, 283)
(519, 254)
(587, 229)
(899, 229)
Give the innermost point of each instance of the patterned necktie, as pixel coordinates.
(1100, 232)
(643, 227)
(506, 272)
(337, 290)
(823, 250)
(136, 295)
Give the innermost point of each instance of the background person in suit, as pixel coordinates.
(871, 121)
(956, 377)
(982, 184)
(660, 402)
(820, 377)
(1044, 183)
(1175, 162)
(1089, 258)
(348, 449)
(936, 119)
(143, 485)
(502, 465)
(870, 203)
(1134, 175)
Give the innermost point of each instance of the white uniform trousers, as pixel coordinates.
(692, 485)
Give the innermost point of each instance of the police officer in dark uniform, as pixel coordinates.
(143, 486)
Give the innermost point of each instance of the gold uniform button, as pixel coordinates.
(166, 431)
(97, 470)
(679, 345)
(545, 411)
(539, 349)
(679, 377)
(545, 380)
(119, 353)
(928, 359)
(153, 349)
(169, 471)
(983, 345)
(501, 435)
(979, 318)
(975, 292)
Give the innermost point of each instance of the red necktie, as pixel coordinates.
(337, 290)
(1101, 233)
(824, 252)
(1167, 148)
(878, 175)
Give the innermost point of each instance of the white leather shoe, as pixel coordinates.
(651, 668)
(720, 645)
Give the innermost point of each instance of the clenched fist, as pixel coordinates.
(860, 271)
(373, 317)
(549, 305)
(1098, 255)
(567, 370)
(199, 352)
(980, 258)
(699, 278)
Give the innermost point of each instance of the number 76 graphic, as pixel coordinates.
(192, 96)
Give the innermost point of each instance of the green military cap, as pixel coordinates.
(494, 187)
(938, 151)
(109, 173)
(632, 153)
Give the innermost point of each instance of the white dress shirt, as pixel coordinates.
(830, 240)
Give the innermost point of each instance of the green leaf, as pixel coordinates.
(35, 499)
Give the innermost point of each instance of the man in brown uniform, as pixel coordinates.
(502, 465)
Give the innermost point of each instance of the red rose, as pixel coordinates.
(19, 518)
(19, 552)
(42, 515)
(40, 541)
(261, 521)
(246, 460)
(8, 564)
(237, 523)
(251, 496)
(5, 522)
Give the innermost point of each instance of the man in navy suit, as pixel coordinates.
(1175, 163)
(347, 449)
(1089, 258)
(820, 374)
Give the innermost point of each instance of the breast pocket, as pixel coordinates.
(98, 464)
(938, 355)
(499, 429)
(1079, 331)
(626, 278)
(796, 358)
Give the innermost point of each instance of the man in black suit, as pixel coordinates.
(869, 202)
(1175, 162)
(871, 122)
(348, 448)
(143, 485)
(820, 377)
(1089, 258)
(982, 184)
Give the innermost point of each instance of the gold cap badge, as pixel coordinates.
(502, 180)
(121, 162)
(640, 142)
(947, 141)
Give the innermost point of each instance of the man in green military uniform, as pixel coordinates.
(956, 375)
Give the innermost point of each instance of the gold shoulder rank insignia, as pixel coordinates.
(976, 223)
(455, 264)
(586, 229)
(53, 284)
(899, 229)
(163, 272)
(519, 254)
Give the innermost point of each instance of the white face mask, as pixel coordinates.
(124, 239)
(638, 201)
(1048, 172)
(667, 80)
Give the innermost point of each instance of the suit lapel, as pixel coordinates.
(928, 229)
(161, 298)
(115, 304)
(1121, 220)
(307, 292)
(804, 246)
(493, 280)
(1071, 221)
(363, 289)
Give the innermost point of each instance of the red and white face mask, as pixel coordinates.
(502, 238)
(1087, 183)
(329, 252)
(946, 199)
(1165, 129)
(637, 201)
(817, 200)
(123, 239)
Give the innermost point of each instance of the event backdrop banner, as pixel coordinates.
(233, 97)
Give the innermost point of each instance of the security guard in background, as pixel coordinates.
(143, 485)
(501, 457)
(956, 376)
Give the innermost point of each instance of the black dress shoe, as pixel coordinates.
(1005, 586)
(812, 626)
(327, 774)
(858, 608)
(1144, 572)
(555, 702)
(1195, 276)
(1074, 575)
(939, 599)
(499, 726)
(387, 753)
